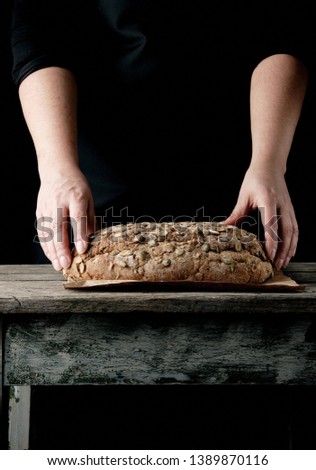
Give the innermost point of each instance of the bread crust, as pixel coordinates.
(174, 251)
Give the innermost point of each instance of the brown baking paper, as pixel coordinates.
(279, 283)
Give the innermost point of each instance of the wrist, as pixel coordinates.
(267, 166)
(56, 168)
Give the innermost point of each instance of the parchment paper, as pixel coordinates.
(279, 283)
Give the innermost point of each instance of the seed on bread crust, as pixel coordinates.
(191, 251)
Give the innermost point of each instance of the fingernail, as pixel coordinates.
(56, 264)
(64, 262)
(80, 247)
(273, 253)
(286, 262)
(280, 264)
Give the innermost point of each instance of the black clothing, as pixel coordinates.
(163, 90)
(129, 33)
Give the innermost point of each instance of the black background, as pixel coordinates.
(20, 182)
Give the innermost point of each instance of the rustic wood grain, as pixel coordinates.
(48, 299)
(302, 272)
(59, 337)
(38, 288)
(56, 336)
(27, 269)
(179, 349)
(19, 417)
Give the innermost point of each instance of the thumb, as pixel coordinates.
(238, 214)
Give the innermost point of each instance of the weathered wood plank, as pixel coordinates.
(28, 269)
(38, 288)
(53, 301)
(49, 299)
(308, 267)
(19, 417)
(29, 272)
(120, 349)
(29, 277)
(302, 272)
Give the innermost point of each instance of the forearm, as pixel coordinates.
(277, 93)
(49, 103)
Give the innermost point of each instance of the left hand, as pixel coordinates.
(266, 190)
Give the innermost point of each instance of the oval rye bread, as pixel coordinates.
(173, 251)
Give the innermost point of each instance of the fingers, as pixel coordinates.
(53, 232)
(268, 193)
(288, 230)
(82, 222)
(281, 233)
(280, 229)
(54, 239)
(64, 205)
(270, 223)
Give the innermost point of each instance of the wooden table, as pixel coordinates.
(55, 336)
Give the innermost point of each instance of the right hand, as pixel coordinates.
(63, 197)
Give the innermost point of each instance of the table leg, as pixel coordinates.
(1, 388)
(19, 417)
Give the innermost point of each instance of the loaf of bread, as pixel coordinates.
(174, 251)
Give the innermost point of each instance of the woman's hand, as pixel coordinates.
(266, 190)
(64, 197)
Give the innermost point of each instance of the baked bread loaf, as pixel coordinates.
(174, 251)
